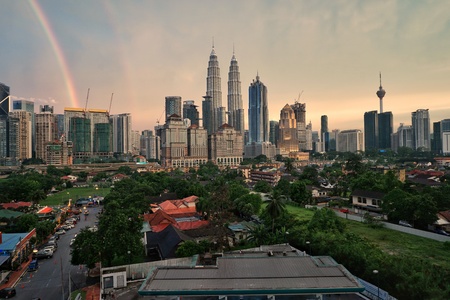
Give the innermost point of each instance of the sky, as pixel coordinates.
(329, 52)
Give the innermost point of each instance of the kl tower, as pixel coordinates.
(380, 93)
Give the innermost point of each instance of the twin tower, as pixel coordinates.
(215, 115)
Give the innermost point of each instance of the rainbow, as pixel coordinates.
(44, 22)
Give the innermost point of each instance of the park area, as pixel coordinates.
(75, 193)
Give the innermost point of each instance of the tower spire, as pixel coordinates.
(380, 93)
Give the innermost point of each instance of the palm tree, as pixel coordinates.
(276, 207)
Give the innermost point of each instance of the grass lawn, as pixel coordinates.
(74, 194)
(390, 241)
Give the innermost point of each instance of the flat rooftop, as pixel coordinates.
(262, 274)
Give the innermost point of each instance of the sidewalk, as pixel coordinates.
(14, 276)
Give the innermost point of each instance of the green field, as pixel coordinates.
(75, 193)
(390, 241)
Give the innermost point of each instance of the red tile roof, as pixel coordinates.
(159, 217)
(45, 210)
(192, 225)
(15, 204)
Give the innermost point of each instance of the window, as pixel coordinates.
(364, 200)
(359, 200)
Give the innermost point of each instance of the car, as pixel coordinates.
(66, 227)
(344, 210)
(34, 265)
(60, 231)
(7, 293)
(72, 241)
(43, 253)
(404, 223)
(48, 246)
(442, 231)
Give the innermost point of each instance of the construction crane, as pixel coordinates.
(157, 120)
(110, 103)
(299, 95)
(85, 106)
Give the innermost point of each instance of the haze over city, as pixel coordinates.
(142, 51)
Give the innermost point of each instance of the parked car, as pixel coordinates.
(60, 231)
(442, 231)
(404, 223)
(7, 293)
(34, 265)
(344, 210)
(43, 253)
(48, 246)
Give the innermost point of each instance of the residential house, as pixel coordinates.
(367, 200)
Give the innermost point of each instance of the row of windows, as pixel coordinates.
(376, 202)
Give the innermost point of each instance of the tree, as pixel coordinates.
(188, 248)
(258, 235)
(248, 204)
(299, 193)
(311, 174)
(276, 207)
(86, 248)
(262, 187)
(26, 222)
(325, 220)
(125, 170)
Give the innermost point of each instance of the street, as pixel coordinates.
(46, 282)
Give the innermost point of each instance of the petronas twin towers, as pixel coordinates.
(213, 98)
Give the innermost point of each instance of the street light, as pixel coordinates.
(378, 283)
(286, 237)
(309, 245)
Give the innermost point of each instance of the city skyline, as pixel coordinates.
(332, 51)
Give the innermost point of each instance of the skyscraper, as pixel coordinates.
(121, 128)
(207, 114)
(190, 112)
(380, 93)
(4, 99)
(235, 106)
(27, 105)
(403, 137)
(421, 129)
(274, 132)
(22, 131)
(258, 112)
(45, 131)
(324, 134)
(300, 117)
(385, 129)
(371, 130)
(213, 89)
(288, 141)
(350, 141)
(173, 106)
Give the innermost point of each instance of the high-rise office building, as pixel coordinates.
(258, 112)
(80, 135)
(350, 141)
(27, 105)
(324, 134)
(213, 89)
(441, 137)
(173, 142)
(274, 132)
(300, 117)
(380, 93)
(226, 146)
(59, 129)
(3, 138)
(421, 129)
(207, 114)
(235, 105)
(385, 129)
(190, 112)
(149, 145)
(288, 141)
(371, 130)
(23, 143)
(121, 128)
(197, 143)
(173, 106)
(4, 99)
(45, 131)
(403, 137)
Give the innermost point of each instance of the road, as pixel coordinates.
(46, 281)
(418, 232)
